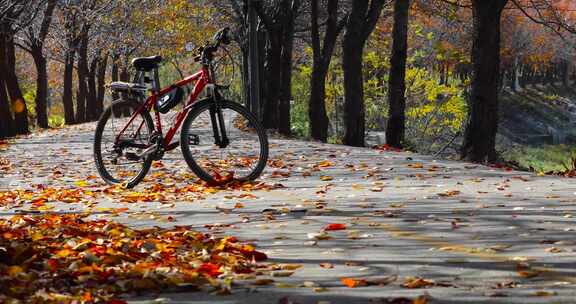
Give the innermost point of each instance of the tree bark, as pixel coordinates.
(101, 84)
(285, 98)
(6, 121)
(115, 73)
(317, 105)
(354, 111)
(92, 96)
(277, 95)
(246, 77)
(36, 44)
(322, 56)
(273, 78)
(67, 95)
(361, 23)
(82, 73)
(396, 125)
(480, 135)
(19, 107)
(41, 99)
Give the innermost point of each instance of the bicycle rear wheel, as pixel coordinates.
(120, 142)
(244, 158)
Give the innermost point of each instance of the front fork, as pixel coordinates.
(218, 125)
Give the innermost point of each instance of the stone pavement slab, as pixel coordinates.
(470, 233)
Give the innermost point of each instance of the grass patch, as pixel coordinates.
(543, 159)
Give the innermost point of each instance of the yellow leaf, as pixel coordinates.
(37, 236)
(64, 253)
(14, 270)
(81, 183)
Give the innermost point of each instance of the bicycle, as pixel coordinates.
(220, 139)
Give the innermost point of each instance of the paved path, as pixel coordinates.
(474, 234)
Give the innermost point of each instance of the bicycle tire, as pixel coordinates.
(204, 106)
(100, 128)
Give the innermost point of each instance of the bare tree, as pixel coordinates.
(15, 16)
(322, 57)
(32, 40)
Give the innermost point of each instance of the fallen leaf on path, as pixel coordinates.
(417, 282)
(526, 271)
(554, 250)
(545, 293)
(326, 265)
(353, 283)
(334, 227)
(80, 259)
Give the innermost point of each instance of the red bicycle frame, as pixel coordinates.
(202, 79)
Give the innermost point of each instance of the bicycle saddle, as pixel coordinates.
(146, 64)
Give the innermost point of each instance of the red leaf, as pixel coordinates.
(254, 255)
(210, 269)
(335, 227)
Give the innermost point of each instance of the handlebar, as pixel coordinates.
(207, 51)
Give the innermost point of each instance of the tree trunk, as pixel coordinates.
(397, 82)
(40, 62)
(82, 73)
(317, 106)
(361, 22)
(67, 95)
(322, 56)
(41, 100)
(246, 77)
(125, 76)
(480, 135)
(91, 100)
(19, 108)
(6, 121)
(272, 67)
(290, 9)
(354, 111)
(101, 84)
(115, 74)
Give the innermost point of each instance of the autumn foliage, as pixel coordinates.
(62, 258)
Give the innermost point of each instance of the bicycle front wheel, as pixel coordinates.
(243, 158)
